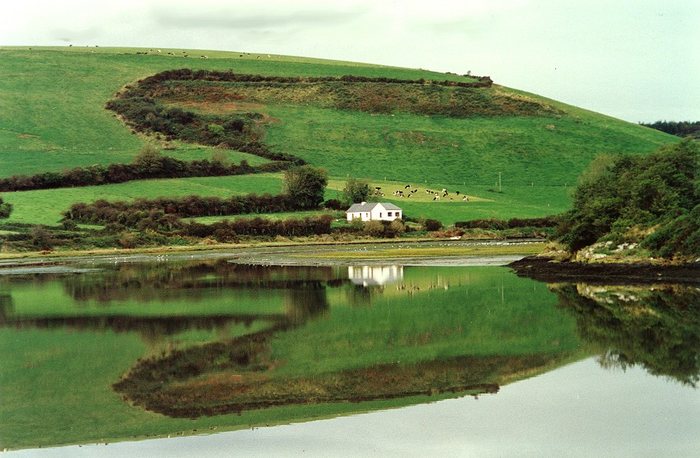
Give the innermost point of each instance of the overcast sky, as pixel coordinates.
(638, 60)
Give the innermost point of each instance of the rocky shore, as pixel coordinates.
(552, 271)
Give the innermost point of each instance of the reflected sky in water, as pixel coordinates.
(578, 410)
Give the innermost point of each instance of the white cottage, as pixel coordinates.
(374, 211)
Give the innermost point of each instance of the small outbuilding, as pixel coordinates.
(374, 211)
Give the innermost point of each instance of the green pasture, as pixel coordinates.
(537, 151)
(45, 206)
(52, 117)
(53, 98)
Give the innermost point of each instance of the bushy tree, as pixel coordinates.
(41, 238)
(355, 191)
(305, 185)
(149, 160)
(432, 225)
(5, 209)
(645, 192)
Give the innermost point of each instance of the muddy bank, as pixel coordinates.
(405, 252)
(547, 270)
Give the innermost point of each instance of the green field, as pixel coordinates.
(52, 117)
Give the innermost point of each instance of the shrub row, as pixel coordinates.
(185, 74)
(130, 214)
(145, 114)
(228, 231)
(238, 131)
(161, 167)
(499, 224)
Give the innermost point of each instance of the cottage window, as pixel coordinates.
(388, 214)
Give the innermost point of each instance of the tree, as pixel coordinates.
(221, 157)
(148, 161)
(41, 238)
(305, 186)
(432, 225)
(5, 209)
(355, 191)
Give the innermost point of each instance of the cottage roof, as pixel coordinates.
(368, 206)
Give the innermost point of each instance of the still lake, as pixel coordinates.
(363, 359)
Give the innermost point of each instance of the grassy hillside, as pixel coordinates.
(52, 117)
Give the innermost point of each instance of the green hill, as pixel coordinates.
(53, 117)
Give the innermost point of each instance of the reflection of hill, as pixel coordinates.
(657, 327)
(221, 378)
(440, 330)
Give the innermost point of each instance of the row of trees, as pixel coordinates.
(303, 189)
(149, 163)
(680, 129)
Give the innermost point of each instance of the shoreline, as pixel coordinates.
(549, 270)
(490, 246)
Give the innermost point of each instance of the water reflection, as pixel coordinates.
(294, 335)
(375, 275)
(214, 337)
(656, 327)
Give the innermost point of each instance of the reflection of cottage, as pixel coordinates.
(373, 211)
(375, 275)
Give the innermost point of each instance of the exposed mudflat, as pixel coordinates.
(547, 270)
(431, 253)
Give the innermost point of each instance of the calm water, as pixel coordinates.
(467, 359)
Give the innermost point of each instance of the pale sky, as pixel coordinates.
(638, 60)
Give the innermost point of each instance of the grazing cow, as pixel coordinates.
(465, 198)
(407, 186)
(457, 192)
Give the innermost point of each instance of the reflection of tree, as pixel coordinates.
(658, 328)
(358, 295)
(305, 301)
(6, 306)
